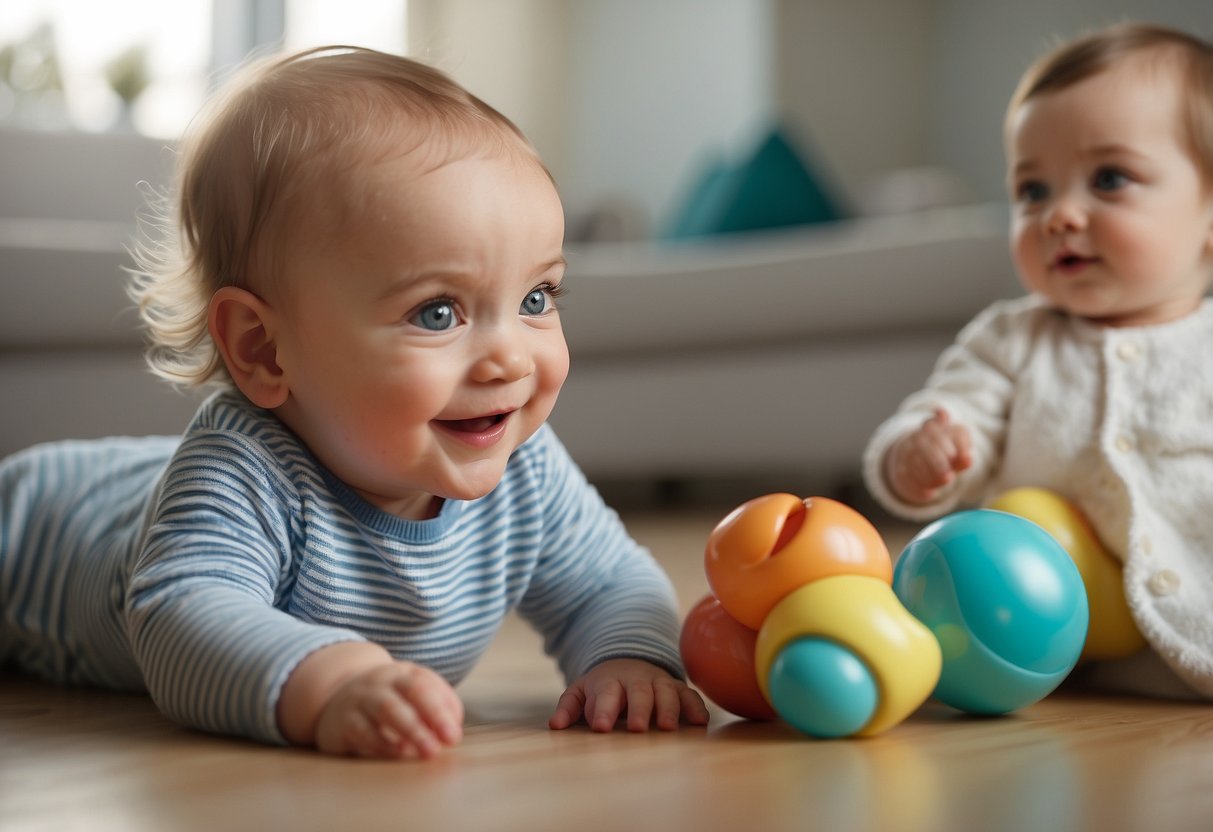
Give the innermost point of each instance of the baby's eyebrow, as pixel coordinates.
(558, 260)
(1115, 149)
(409, 281)
(1024, 166)
(453, 276)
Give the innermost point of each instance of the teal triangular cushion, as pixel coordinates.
(773, 188)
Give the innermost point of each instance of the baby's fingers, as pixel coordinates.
(694, 711)
(674, 701)
(602, 710)
(962, 448)
(358, 733)
(401, 727)
(568, 709)
(430, 706)
(362, 738)
(640, 705)
(931, 468)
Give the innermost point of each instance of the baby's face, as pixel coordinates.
(422, 345)
(1111, 219)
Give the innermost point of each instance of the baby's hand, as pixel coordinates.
(646, 692)
(922, 462)
(398, 709)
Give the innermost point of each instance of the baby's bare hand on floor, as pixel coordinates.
(398, 710)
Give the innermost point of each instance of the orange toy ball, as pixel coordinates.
(772, 545)
(718, 652)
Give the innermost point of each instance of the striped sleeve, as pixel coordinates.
(214, 650)
(70, 516)
(596, 594)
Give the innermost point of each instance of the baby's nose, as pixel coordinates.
(505, 358)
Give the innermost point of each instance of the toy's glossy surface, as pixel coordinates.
(1005, 602)
(1112, 633)
(771, 545)
(822, 688)
(718, 652)
(862, 615)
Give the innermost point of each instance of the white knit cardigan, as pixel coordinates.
(1119, 420)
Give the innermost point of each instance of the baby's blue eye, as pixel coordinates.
(1109, 179)
(536, 303)
(435, 316)
(1032, 191)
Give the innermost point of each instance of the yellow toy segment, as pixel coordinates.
(1111, 634)
(862, 614)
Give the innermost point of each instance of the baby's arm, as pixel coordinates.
(927, 459)
(606, 608)
(644, 691)
(353, 698)
(200, 607)
(920, 463)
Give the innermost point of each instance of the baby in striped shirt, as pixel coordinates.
(366, 259)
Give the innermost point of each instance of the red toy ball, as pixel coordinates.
(718, 652)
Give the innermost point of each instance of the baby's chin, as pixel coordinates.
(473, 484)
(1090, 307)
(425, 499)
(466, 480)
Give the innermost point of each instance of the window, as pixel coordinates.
(146, 65)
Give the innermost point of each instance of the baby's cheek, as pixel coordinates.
(554, 369)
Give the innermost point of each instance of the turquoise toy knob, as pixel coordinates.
(822, 688)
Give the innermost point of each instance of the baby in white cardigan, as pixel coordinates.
(1099, 384)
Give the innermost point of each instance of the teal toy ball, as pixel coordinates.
(1005, 601)
(822, 688)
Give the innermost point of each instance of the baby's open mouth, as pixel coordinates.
(479, 424)
(1072, 261)
(481, 432)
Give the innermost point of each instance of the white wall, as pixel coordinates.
(655, 87)
(851, 80)
(628, 99)
(881, 85)
(623, 98)
(513, 54)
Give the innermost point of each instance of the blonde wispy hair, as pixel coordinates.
(267, 149)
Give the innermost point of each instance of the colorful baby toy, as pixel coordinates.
(834, 652)
(986, 611)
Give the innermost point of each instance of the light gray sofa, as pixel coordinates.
(768, 356)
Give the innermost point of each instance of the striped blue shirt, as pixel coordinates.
(205, 568)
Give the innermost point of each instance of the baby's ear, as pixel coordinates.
(242, 326)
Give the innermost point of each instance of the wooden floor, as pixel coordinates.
(88, 760)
